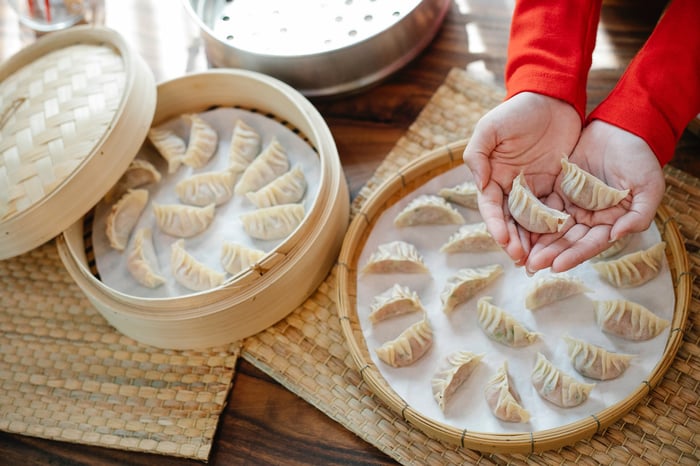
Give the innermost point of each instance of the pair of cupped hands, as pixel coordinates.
(530, 133)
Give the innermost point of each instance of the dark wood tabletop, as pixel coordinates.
(268, 424)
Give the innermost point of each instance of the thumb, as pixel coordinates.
(476, 156)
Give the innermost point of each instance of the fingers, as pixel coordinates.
(638, 218)
(476, 154)
(579, 244)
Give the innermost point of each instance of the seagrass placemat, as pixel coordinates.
(66, 374)
(306, 352)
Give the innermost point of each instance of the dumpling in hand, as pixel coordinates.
(123, 217)
(183, 221)
(633, 269)
(464, 284)
(395, 257)
(245, 145)
(628, 320)
(272, 223)
(464, 194)
(202, 144)
(470, 238)
(191, 273)
(427, 209)
(547, 290)
(502, 397)
(169, 145)
(531, 213)
(267, 166)
(500, 326)
(587, 191)
(139, 173)
(557, 387)
(235, 257)
(411, 345)
(202, 189)
(285, 189)
(594, 361)
(459, 366)
(395, 301)
(142, 262)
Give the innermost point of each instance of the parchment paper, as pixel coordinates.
(460, 330)
(226, 226)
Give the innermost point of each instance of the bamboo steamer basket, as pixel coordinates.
(245, 304)
(411, 177)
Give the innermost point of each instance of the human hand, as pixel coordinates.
(530, 133)
(623, 161)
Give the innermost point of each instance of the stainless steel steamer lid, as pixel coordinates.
(320, 47)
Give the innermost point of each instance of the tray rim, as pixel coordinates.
(407, 179)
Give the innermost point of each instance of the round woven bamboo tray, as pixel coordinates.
(64, 139)
(275, 286)
(397, 187)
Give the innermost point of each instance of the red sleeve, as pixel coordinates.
(551, 48)
(659, 93)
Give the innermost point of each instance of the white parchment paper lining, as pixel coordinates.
(226, 226)
(460, 330)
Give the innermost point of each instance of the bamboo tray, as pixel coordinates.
(414, 175)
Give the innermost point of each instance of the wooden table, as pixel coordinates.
(267, 424)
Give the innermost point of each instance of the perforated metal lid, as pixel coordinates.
(75, 106)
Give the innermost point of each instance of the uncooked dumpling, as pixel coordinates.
(428, 209)
(557, 387)
(552, 288)
(531, 213)
(123, 217)
(202, 189)
(139, 173)
(191, 273)
(411, 345)
(267, 166)
(633, 269)
(272, 223)
(594, 361)
(465, 283)
(288, 188)
(235, 257)
(587, 191)
(395, 257)
(464, 194)
(142, 262)
(169, 145)
(470, 238)
(202, 143)
(458, 367)
(245, 145)
(395, 301)
(628, 320)
(502, 397)
(502, 327)
(183, 221)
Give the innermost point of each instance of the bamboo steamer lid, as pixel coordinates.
(74, 108)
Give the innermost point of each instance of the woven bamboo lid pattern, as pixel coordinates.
(64, 102)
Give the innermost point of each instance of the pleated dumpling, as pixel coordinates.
(464, 194)
(502, 327)
(191, 273)
(465, 283)
(531, 213)
(503, 399)
(627, 319)
(633, 269)
(169, 145)
(202, 144)
(594, 361)
(267, 166)
(183, 221)
(587, 191)
(557, 387)
(245, 146)
(123, 216)
(411, 345)
(470, 238)
(395, 257)
(448, 379)
(235, 257)
(287, 188)
(202, 189)
(142, 262)
(272, 223)
(552, 288)
(428, 209)
(139, 173)
(397, 300)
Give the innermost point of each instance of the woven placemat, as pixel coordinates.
(66, 374)
(306, 352)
